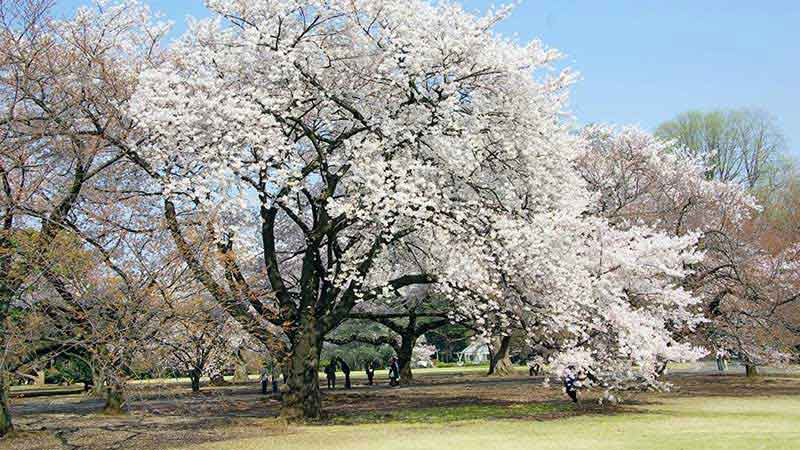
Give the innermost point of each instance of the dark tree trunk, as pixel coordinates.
(194, 375)
(302, 399)
(500, 364)
(6, 426)
(7, 288)
(751, 370)
(404, 356)
(114, 399)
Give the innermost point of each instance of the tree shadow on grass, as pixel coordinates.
(462, 409)
(734, 385)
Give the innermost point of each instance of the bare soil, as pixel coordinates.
(163, 417)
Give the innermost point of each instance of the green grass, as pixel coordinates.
(460, 413)
(676, 423)
(44, 387)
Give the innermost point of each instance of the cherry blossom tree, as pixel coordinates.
(745, 281)
(422, 353)
(320, 142)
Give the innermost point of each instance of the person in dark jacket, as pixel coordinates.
(394, 372)
(264, 378)
(369, 367)
(534, 368)
(346, 370)
(571, 383)
(330, 374)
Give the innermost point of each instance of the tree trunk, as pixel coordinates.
(500, 364)
(114, 399)
(751, 370)
(6, 426)
(99, 388)
(194, 375)
(40, 377)
(404, 356)
(302, 400)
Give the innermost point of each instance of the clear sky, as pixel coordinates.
(642, 62)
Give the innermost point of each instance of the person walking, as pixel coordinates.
(369, 367)
(571, 383)
(330, 374)
(346, 371)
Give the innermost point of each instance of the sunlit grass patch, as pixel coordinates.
(456, 413)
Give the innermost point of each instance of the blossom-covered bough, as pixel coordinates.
(749, 284)
(317, 143)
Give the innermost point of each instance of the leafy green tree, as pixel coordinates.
(736, 145)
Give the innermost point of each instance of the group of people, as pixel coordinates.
(330, 373)
(722, 360)
(369, 368)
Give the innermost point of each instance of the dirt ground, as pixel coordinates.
(171, 416)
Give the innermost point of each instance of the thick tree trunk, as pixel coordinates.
(115, 399)
(500, 364)
(404, 356)
(751, 370)
(6, 426)
(302, 400)
(194, 375)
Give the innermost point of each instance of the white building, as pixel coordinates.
(476, 353)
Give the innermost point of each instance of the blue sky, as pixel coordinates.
(643, 62)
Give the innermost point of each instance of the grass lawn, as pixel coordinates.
(673, 423)
(445, 408)
(355, 375)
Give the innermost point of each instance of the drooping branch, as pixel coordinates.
(234, 305)
(364, 339)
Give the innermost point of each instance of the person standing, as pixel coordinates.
(534, 368)
(394, 372)
(346, 370)
(369, 367)
(264, 380)
(330, 374)
(720, 356)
